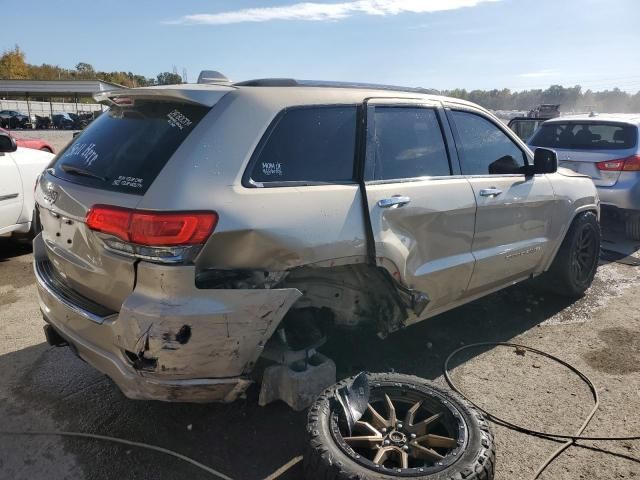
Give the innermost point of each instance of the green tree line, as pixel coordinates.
(570, 98)
(13, 65)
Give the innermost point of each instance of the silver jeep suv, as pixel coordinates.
(193, 233)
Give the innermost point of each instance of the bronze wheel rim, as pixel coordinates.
(406, 431)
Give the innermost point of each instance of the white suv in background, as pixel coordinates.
(19, 169)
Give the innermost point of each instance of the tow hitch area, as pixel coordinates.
(298, 376)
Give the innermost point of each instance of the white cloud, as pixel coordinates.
(314, 11)
(538, 74)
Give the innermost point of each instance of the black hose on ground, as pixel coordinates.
(500, 421)
(549, 435)
(122, 441)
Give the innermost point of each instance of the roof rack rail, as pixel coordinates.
(290, 82)
(268, 82)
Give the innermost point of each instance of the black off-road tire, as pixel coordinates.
(36, 226)
(632, 226)
(561, 277)
(325, 460)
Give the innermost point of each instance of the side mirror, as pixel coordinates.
(7, 143)
(545, 161)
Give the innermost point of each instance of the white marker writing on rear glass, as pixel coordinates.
(177, 119)
(125, 181)
(84, 150)
(272, 168)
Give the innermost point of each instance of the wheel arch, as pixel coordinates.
(578, 211)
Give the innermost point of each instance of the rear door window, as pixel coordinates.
(586, 136)
(483, 147)
(125, 148)
(307, 145)
(408, 144)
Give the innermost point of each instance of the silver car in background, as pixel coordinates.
(605, 147)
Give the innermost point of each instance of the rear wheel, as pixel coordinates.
(632, 226)
(576, 262)
(411, 429)
(36, 226)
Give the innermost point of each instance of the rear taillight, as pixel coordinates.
(171, 229)
(632, 164)
(112, 220)
(152, 229)
(628, 164)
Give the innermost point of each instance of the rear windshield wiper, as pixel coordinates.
(81, 172)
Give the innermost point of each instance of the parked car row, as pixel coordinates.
(73, 121)
(12, 119)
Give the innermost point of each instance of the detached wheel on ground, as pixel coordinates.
(575, 265)
(411, 429)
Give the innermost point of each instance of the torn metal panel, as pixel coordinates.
(357, 295)
(178, 331)
(260, 229)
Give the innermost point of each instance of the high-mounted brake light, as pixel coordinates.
(123, 101)
(154, 229)
(628, 164)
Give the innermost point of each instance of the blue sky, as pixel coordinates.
(442, 44)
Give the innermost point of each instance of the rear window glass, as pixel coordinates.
(310, 144)
(127, 146)
(585, 136)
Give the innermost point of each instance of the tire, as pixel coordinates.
(562, 277)
(36, 226)
(632, 226)
(46, 149)
(328, 458)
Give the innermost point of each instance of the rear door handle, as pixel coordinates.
(490, 192)
(395, 201)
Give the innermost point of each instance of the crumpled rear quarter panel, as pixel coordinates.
(183, 332)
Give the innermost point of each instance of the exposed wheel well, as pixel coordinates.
(357, 295)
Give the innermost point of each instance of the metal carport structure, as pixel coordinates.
(75, 89)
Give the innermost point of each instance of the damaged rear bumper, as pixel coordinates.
(170, 341)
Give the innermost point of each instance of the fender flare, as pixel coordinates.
(584, 208)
